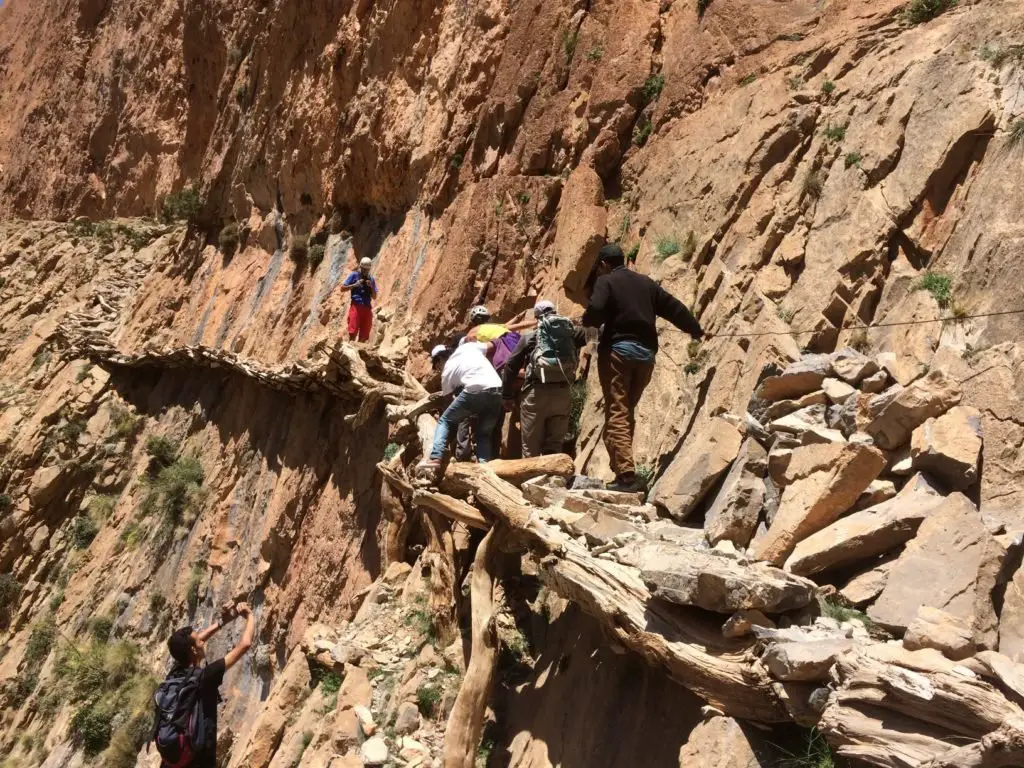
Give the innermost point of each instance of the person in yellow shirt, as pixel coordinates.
(481, 328)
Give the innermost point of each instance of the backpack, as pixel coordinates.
(504, 345)
(179, 728)
(555, 357)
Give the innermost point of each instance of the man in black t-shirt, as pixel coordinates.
(188, 648)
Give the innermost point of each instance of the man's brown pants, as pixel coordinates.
(622, 382)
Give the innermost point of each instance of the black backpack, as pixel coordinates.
(179, 728)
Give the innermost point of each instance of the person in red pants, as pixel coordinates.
(364, 291)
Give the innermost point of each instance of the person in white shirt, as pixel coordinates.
(467, 371)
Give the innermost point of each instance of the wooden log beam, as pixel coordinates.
(1003, 748)
(518, 471)
(452, 508)
(466, 722)
(616, 596)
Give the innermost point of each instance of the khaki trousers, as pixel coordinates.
(622, 382)
(544, 413)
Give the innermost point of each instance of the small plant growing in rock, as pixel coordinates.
(632, 253)
(10, 591)
(652, 87)
(1013, 53)
(483, 753)
(162, 450)
(577, 401)
(643, 132)
(813, 184)
(100, 628)
(835, 132)
(828, 87)
(298, 247)
(841, 613)
(940, 286)
(815, 753)
(6, 504)
(569, 42)
(184, 205)
(665, 247)
(698, 356)
(518, 645)
(421, 619)
(853, 159)
(316, 256)
(177, 490)
(1017, 133)
(83, 531)
(795, 83)
(227, 240)
(456, 161)
(40, 640)
(428, 698)
(83, 374)
(920, 11)
(194, 583)
(391, 450)
(785, 315)
(101, 507)
(157, 603)
(645, 475)
(122, 421)
(748, 80)
(595, 53)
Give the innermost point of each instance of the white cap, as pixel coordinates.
(440, 349)
(543, 306)
(365, 261)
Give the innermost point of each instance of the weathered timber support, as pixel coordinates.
(465, 724)
(452, 508)
(518, 471)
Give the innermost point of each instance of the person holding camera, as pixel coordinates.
(185, 726)
(364, 291)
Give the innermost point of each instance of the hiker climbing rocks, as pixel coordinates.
(186, 701)
(550, 355)
(504, 340)
(364, 291)
(627, 303)
(467, 368)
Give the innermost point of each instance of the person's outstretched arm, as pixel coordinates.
(514, 364)
(350, 282)
(245, 643)
(672, 309)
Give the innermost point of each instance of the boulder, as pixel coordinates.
(600, 527)
(716, 582)
(911, 407)
(875, 383)
(953, 564)
(722, 742)
(407, 721)
(932, 628)
(782, 408)
(1011, 620)
(949, 446)
(734, 514)
(851, 366)
(843, 417)
(797, 379)
(872, 531)
(697, 468)
(837, 391)
(817, 494)
(867, 585)
(876, 493)
(374, 751)
(903, 368)
(798, 422)
(804, 661)
(742, 623)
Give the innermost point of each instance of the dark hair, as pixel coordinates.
(612, 254)
(180, 645)
(454, 343)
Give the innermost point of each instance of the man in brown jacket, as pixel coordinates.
(626, 304)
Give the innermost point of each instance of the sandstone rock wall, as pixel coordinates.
(779, 167)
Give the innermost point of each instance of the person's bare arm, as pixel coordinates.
(373, 287)
(245, 643)
(210, 631)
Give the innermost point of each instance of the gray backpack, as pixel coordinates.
(555, 357)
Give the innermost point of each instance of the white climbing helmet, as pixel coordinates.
(542, 307)
(480, 314)
(437, 351)
(365, 262)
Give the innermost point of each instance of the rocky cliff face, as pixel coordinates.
(788, 169)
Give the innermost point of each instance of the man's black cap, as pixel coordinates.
(612, 254)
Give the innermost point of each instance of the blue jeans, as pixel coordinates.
(487, 408)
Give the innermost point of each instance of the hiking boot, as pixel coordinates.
(427, 469)
(627, 484)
